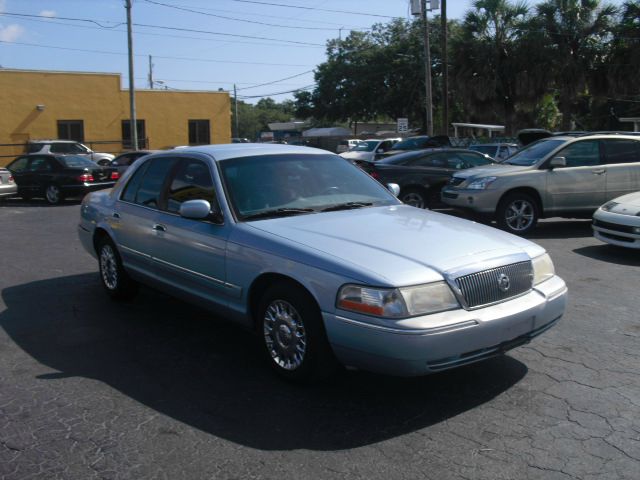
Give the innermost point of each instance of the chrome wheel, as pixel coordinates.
(520, 215)
(52, 194)
(109, 267)
(284, 335)
(413, 199)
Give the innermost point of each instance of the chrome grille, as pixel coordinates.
(483, 288)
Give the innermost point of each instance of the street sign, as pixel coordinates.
(403, 125)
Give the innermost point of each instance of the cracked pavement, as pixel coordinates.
(156, 388)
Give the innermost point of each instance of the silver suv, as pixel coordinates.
(565, 176)
(68, 147)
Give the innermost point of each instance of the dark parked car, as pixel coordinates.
(122, 161)
(55, 177)
(419, 142)
(422, 174)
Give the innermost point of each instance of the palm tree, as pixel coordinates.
(487, 56)
(578, 31)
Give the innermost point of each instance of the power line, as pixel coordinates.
(255, 22)
(276, 81)
(313, 8)
(165, 27)
(103, 52)
(244, 97)
(167, 35)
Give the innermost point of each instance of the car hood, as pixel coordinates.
(627, 204)
(399, 245)
(358, 155)
(492, 170)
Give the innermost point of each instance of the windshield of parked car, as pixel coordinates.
(412, 143)
(366, 146)
(77, 162)
(279, 185)
(534, 152)
(486, 149)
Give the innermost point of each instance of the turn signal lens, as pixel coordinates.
(543, 268)
(86, 177)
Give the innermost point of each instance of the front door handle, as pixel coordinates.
(115, 215)
(598, 172)
(159, 228)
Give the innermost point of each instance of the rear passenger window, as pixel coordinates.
(581, 154)
(622, 151)
(151, 186)
(129, 194)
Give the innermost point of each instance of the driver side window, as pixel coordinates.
(581, 154)
(191, 180)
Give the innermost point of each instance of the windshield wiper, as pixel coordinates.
(346, 206)
(279, 212)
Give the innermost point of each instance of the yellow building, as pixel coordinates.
(94, 109)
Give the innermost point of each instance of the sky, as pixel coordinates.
(266, 48)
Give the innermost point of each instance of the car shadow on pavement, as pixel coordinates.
(562, 229)
(208, 374)
(36, 202)
(611, 254)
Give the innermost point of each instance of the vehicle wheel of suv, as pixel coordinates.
(517, 213)
(113, 277)
(293, 334)
(414, 197)
(53, 195)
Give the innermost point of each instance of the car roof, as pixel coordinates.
(237, 150)
(51, 141)
(509, 144)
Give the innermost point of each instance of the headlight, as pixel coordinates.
(542, 268)
(397, 302)
(481, 183)
(608, 206)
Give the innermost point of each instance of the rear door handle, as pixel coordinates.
(159, 228)
(115, 215)
(598, 172)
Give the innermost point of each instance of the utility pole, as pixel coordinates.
(235, 114)
(445, 69)
(427, 70)
(150, 72)
(132, 91)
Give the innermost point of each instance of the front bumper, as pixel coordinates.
(483, 201)
(616, 229)
(445, 340)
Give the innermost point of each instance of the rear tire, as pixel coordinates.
(293, 335)
(53, 195)
(518, 213)
(114, 278)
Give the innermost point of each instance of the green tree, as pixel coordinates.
(578, 32)
(487, 55)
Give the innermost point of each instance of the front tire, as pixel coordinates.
(113, 277)
(53, 195)
(518, 213)
(293, 335)
(414, 197)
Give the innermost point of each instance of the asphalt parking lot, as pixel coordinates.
(156, 388)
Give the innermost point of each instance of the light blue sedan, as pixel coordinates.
(319, 259)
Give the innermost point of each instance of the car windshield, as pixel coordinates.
(486, 149)
(533, 153)
(366, 146)
(77, 162)
(412, 143)
(281, 185)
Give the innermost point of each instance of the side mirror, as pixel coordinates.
(558, 162)
(195, 209)
(393, 188)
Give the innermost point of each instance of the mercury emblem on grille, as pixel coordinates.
(503, 282)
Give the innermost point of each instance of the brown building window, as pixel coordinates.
(199, 133)
(71, 130)
(127, 142)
